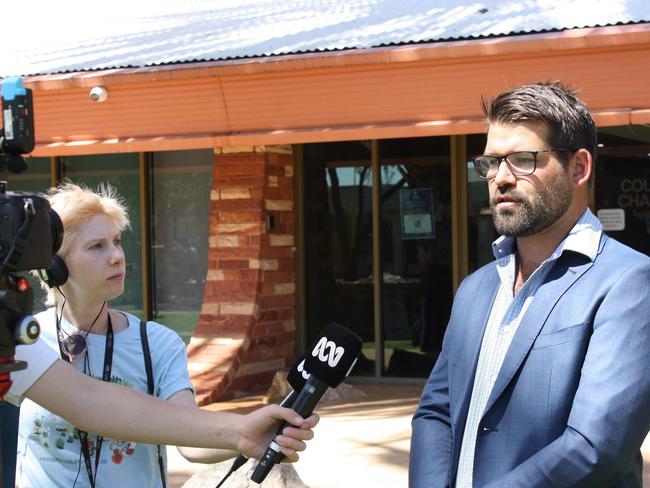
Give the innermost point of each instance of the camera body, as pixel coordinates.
(30, 231)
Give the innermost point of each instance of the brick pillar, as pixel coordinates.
(246, 328)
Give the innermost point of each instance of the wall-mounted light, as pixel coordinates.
(98, 94)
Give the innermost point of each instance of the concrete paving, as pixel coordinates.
(364, 442)
(357, 442)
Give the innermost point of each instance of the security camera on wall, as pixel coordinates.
(98, 94)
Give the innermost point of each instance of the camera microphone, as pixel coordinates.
(18, 134)
(327, 363)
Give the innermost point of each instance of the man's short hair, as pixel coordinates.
(570, 123)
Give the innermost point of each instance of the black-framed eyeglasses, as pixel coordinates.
(520, 163)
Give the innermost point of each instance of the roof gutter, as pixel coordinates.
(443, 51)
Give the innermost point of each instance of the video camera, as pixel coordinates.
(30, 231)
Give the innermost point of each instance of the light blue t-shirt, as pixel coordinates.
(49, 451)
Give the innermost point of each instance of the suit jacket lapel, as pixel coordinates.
(558, 281)
(473, 323)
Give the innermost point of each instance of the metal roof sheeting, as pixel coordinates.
(72, 35)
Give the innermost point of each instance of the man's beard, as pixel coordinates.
(533, 215)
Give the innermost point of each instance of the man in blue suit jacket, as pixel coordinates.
(543, 379)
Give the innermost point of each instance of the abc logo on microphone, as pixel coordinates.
(326, 364)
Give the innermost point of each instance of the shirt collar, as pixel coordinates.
(583, 238)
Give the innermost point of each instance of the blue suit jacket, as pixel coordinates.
(571, 404)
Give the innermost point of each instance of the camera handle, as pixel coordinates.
(25, 330)
(7, 366)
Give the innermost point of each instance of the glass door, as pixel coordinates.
(480, 228)
(413, 239)
(338, 242)
(623, 184)
(416, 252)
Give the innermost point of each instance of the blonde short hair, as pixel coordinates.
(76, 205)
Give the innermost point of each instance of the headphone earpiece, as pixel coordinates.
(57, 274)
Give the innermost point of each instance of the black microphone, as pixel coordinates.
(296, 377)
(327, 363)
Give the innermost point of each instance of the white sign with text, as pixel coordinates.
(612, 218)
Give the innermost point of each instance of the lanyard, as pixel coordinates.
(106, 376)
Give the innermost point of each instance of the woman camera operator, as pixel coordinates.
(114, 346)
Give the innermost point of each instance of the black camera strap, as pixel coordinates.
(150, 389)
(83, 435)
(106, 376)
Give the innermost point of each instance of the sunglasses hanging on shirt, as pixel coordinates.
(74, 345)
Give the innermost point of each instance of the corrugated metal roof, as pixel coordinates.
(73, 35)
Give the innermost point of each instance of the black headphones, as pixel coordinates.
(57, 274)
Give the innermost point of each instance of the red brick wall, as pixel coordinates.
(246, 328)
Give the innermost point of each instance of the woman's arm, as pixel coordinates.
(198, 454)
(121, 413)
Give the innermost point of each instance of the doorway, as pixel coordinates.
(401, 318)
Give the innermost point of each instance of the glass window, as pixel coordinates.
(416, 252)
(623, 184)
(181, 182)
(35, 179)
(415, 202)
(123, 172)
(338, 241)
(480, 229)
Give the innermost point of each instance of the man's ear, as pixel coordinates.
(580, 167)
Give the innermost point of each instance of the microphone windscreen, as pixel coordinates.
(297, 376)
(333, 355)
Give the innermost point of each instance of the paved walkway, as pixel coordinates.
(357, 443)
(363, 442)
